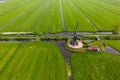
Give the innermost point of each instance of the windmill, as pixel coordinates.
(75, 37)
(75, 42)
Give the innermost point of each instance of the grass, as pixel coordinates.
(100, 13)
(31, 61)
(72, 15)
(97, 43)
(42, 16)
(29, 16)
(95, 66)
(114, 44)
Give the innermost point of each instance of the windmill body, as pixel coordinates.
(75, 42)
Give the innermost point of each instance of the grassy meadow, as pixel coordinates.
(42, 16)
(31, 61)
(44, 61)
(95, 66)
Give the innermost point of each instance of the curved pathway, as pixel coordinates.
(66, 54)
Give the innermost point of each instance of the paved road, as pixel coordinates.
(111, 50)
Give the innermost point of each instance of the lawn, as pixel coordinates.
(95, 66)
(114, 44)
(31, 61)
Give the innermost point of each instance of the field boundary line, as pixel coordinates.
(13, 19)
(41, 14)
(52, 12)
(86, 17)
(32, 65)
(23, 55)
(6, 12)
(4, 54)
(104, 8)
(110, 3)
(62, 16)
(10, 59)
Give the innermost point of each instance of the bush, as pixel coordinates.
(117, 29)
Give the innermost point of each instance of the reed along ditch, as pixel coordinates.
(30, 37)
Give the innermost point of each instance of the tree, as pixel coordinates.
(117, 29)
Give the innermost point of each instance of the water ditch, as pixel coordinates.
(78, 33)
(2, 1)
(30, 37)
(86, 17)
(62, 16)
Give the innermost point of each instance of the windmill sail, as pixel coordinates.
(75, 37)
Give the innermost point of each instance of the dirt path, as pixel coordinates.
(66, 54)
(62, 16)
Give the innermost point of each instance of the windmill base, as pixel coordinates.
(79, 46)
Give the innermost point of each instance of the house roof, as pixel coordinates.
(93, 48)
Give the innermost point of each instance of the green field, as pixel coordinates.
(95, 66)
(31, 61)
(103, 14)
(41, 16)
(44, 61)
(113, 43)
